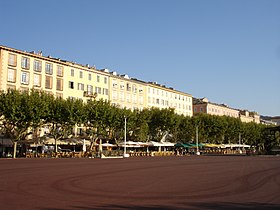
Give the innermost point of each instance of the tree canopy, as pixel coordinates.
(22, 113)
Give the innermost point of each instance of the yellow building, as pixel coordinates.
(127, 92)
(162, 97)
(25, 70)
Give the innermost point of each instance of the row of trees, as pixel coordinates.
(24, 113)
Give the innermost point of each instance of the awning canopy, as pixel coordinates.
(182, 145)
(213, 145)
(188, 145)
(160, 144)
(236, 146)
(131, 144)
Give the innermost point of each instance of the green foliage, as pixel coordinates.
(21, 111)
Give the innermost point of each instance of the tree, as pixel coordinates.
(15, 115)
(62, 116)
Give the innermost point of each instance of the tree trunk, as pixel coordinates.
(15, 149)
(55, 142)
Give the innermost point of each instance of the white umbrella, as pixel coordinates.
(84, 145)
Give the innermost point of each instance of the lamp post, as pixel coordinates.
(239, 141)
(196, 131)
(124, 152)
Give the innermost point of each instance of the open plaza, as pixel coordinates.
(174, 182)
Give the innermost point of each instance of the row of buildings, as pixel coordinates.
(26, 70)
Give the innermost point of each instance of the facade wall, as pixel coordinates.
(200, 108)
(85, 82)
(162, 97)
(127, 93)
(246, 116)
(23, 71)
(204, 106)
(214, 109)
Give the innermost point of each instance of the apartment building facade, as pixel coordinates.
(127, 92)
(205, 106)
(162, 97)
(26, 70)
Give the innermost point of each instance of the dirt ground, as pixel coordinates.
(195, 182)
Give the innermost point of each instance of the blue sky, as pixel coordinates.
(225, 50)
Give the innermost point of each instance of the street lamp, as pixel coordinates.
(124, 152)
(197, 151)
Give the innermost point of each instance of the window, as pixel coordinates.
(48, 84)
(81, 74)
(49, 68)
(128, 98)
(134, 88)
(12, 75)
(128, 87)
(115, 95)
(105, 91)
(98, 90)
(90, 89)
(141, 99)
(59, 84)
(72, 72)
(115, 83)
(98, 78)
(25, 63)
(122, 85)
(80, 86)
(105, 80)
(24, 78)
(89, 76)
(134, 98)
(59, 71)
(140, 89)
(12, 60)
(37, 66)
(37, 80)
(122, 96)
(71, 85)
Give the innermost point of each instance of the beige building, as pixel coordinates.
(162, 97)
(25, 70)
(246, 116)
(126, 92)
(204, 106)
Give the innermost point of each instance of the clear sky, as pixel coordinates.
(225, 50)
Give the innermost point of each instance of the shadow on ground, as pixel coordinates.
(194, 206)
